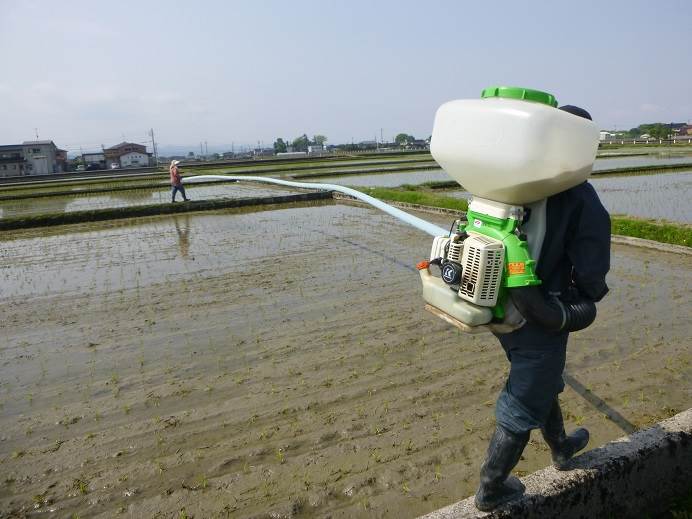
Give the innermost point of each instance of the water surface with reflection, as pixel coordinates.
(74, 202)
(664, 196)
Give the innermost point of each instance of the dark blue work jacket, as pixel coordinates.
(576, 247)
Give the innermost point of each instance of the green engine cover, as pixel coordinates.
(519, 267)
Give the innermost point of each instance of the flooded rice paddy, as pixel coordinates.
(390, 179)
(280, 364)
(642, 160)
(661, 196)
(135, 197)
(665, 196)
(657, 196)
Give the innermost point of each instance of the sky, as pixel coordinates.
(86, 73)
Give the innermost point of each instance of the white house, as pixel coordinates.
(134, 159)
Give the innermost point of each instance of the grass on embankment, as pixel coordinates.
(664, 232)
(411, 195)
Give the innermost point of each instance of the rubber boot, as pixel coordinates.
(497, 486)
(562, 446)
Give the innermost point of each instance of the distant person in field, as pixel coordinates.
(176, 181)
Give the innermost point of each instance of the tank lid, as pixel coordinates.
(525, 94)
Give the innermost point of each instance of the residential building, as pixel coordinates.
(418, 144)
(685, 130)
(263, 152)
(41, 157)
(11, 160)
(96, 160)
(61, 159)
(127, 155)
(31, 158)
(134, 159)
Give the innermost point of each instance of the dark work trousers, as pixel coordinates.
(175, 189)
(537, 360)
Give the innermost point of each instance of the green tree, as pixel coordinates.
(280, 146)
(660, 131)
(319, 139)
(301, 143)
(402, 139)
(655, 130)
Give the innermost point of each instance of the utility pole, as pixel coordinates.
(382, 135)
(206, 149)
(153, 145)
(201, 150)
(36, 132)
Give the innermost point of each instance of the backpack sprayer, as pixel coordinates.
(511, 149)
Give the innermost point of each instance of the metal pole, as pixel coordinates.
(153, 145)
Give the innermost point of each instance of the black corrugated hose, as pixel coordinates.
(553, 314)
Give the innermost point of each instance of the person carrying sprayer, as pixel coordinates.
(176, 181)
(529, 261)
(573, 261)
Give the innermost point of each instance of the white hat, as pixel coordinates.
(175, 162)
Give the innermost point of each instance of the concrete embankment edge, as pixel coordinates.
(630, 477)
(650, 244)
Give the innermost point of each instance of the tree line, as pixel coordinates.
(303, 142)
(655, 130)
(299, 143)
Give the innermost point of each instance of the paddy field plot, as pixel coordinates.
(280, 362)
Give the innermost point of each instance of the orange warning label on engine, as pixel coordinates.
(516, 267)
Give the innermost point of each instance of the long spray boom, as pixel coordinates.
(418, 223)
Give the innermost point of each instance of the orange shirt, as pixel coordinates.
(175, 176)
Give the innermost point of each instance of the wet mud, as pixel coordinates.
(280, 364)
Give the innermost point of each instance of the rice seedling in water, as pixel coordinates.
(81, 485)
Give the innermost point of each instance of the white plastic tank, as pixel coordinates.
(513, 145)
